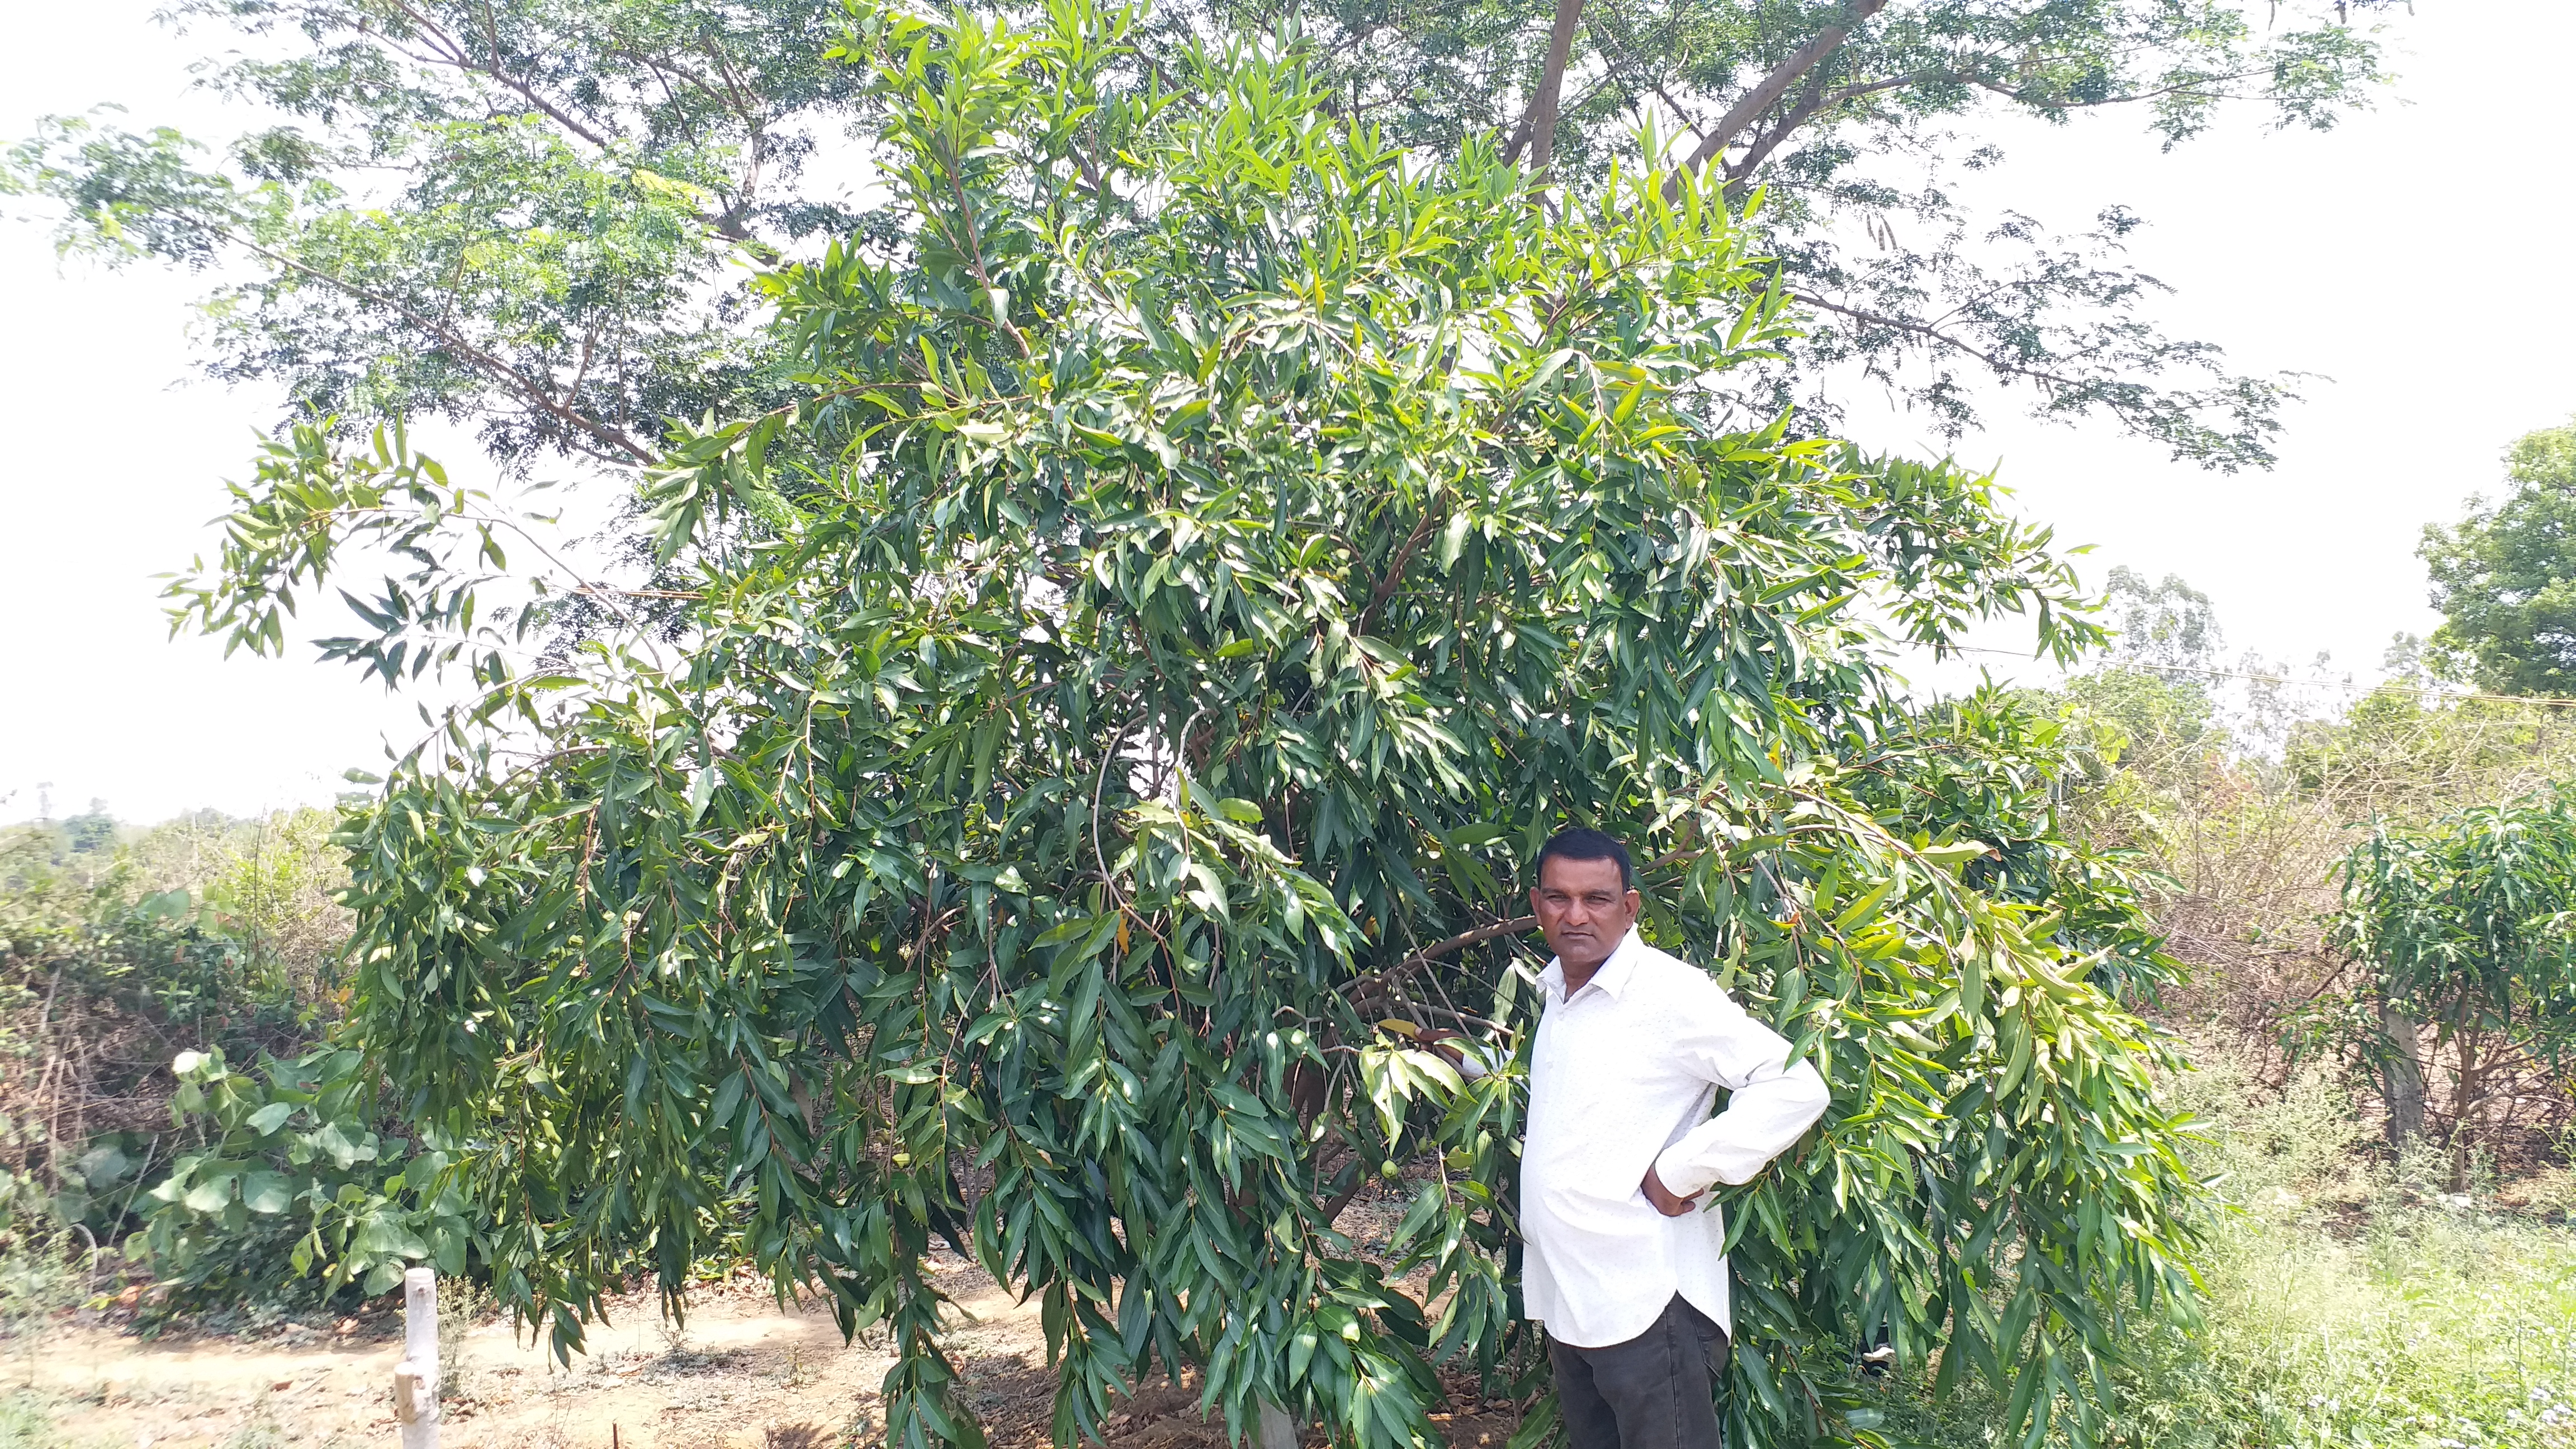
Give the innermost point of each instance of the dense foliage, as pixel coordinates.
(122, 951)
(1809, 99)
(2467, 926)
(533, 216)
(292, 1193)
(2505, 576)
(1240, 545)
(103, 979)
(1994, 767)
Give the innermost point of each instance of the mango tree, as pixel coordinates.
(1241, 541)
(2466, 926)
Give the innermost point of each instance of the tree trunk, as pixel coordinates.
(1766, 92)
(1538, 124)
(2402, 1077)
(2466, 1087)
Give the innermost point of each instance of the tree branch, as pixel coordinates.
(1381, 979)
(1935, 334)
(1767, 91)
(1395, 563)
(541, 397)
(492, 36)
(1681, 113)
(1762, 147)
(1538, 123)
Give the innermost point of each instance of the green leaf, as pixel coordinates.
(1951, 857)
(212, 1190)
(266, 1192)
(1453, 539)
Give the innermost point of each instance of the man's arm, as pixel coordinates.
(1770, 1106)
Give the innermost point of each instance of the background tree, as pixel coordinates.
(527, 217)
(2505, 576)
(1809, 99)
(1236, 546)
(535, 218)
(2469, 926)
(2168, 627)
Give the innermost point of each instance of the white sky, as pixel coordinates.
(2416, 255)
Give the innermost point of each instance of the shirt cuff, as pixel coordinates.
(1680, 1177)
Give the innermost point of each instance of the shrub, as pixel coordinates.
(296, 1195)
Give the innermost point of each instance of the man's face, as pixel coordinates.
(1583, 910)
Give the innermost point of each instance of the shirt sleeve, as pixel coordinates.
(1771, 1105)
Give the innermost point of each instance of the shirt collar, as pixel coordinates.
(1613, 976)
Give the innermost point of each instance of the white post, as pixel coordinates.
(416, 1377)
(1278, 1431)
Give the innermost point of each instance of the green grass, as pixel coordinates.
(25, 1422)
(2350, 1303)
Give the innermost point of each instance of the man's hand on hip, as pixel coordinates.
(1665, 1203)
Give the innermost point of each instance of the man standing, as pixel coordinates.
(1624, 1269)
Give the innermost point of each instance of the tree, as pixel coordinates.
(1800, 99)
(2466, 925)
(535, 218)
(92, 831)
(1237, 544)
(2164, 627)
(2505, 577)
(523, 216)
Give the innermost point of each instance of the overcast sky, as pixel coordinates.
(2417, 256)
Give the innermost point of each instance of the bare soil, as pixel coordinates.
(743, 1372)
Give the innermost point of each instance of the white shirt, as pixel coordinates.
(1622, 1075)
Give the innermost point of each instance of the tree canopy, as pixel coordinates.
(535, 216)
(2504, 577)
(1200, 559)
(1812, 101)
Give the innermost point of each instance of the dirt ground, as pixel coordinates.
(743, 1375)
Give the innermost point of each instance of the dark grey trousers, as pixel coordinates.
(1656, 1391)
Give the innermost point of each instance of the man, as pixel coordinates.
(1624, 1268)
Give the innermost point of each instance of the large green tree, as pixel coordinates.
(534, 216)
(1193, 571)
(2504, 577)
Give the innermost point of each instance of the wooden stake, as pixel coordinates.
(416, 1377)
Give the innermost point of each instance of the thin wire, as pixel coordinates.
(2348, 686)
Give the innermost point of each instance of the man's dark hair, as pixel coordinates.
(1581, 844)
